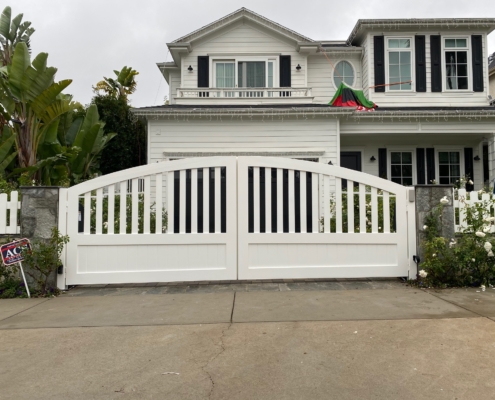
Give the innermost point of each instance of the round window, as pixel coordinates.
(343, 72)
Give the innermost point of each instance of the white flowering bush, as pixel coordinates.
(467, 259)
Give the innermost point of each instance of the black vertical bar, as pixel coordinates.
(262, 201)
(188, 201)
(274, 200)
(250, 200)
(200, 200)
(297, 200)
(309, 202)
(212, 200)
(223, 196)
(176, 201)
(286, 199)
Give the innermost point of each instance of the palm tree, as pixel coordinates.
(121, 87)
(12, 32)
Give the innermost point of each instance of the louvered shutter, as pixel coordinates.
(436, 63)
(430, 166)
(382, 163)
(285, 72)
(420, 166)
(420, 50)
(379, 62)
(477, 44)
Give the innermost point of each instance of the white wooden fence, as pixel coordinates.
(463, 199)
(9, 214)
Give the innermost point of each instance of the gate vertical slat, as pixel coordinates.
(159, 203)
(206, 200)
(362, 208)
(315, 211)
(170, 201)
(3, 212)
(135, 206)
(147, 204)
(111, 209)
(87, 213)
(12, 228)
(350, 206)
(280, 201)
(326, 203)
(194, 200)
(338, 204)
(123, 207)
(99, 211)
(292, 212)
(256, 199)
(386, 212)
(303, 201)
(374, 210)
(268, 200)
(218, 201)
(182, 199)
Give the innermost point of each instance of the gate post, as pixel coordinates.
(427, 198)
(39, 215)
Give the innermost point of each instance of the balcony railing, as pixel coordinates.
(243, 93)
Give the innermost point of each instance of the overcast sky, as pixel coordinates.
(88, 39)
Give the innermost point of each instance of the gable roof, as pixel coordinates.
(235, 16)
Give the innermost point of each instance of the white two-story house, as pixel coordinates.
(245, 85)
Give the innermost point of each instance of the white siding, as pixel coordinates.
(321, 74)
(243, 40)
(429, 99)
(174, 83)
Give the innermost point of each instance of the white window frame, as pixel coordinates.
(460, 150)
(387, 64)
(401, 150)
(469, 64)
(334, 75)
(237, 59)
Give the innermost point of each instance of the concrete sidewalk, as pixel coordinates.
(303, 344)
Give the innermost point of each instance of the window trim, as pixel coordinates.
(460, 150)
(402, 150)
(236, 59)
(469, 64)
(353, 70)
(413, 64)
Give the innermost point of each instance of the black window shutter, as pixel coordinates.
(420, 63)
(468, 167)
(382, 163)
(430, 166)
(203, 71)
(477, 43)
(285, 72)
(436, 63)
(420, 166)
(379, 57)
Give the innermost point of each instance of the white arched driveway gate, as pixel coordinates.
(226, 218)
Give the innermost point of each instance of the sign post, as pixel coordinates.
(12, 254)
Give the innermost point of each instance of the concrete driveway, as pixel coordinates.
(356, 341)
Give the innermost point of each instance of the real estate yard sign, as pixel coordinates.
(12, 254)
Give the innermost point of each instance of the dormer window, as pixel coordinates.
(456, 63)
(399, 64)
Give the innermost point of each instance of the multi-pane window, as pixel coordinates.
(449, 167)
(343, 73)
(456, 64)
(401, 167)
(224, 73)
(399, 64)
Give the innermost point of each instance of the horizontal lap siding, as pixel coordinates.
(430, 99)
(243, 39)
(321, 75)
